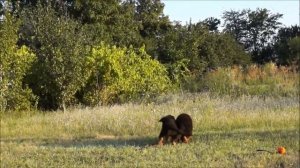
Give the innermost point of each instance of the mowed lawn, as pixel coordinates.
(227, 133)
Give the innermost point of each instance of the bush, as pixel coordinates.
(121, 74)
(221, 50)
(294, 47)
(61, 50)
(14, 64)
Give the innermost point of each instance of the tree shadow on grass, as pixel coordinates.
(104, 142)
(141, 142)
(86, 142)
(243, 134)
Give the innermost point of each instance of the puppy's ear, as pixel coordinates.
(163, 119)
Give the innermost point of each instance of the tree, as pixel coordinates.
(254, 29)
(111, 21)
(283, 45)
(150, 14)
(212, 23)
(235, 23)
(221, 50)
(154, 24)
(16, 6)
(14, 65)
(178, 50)
(202, 49)
(1, 9)
(61, 50)
(294, 47)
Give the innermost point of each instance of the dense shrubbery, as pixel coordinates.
(56, 54)
(121, 74)
(221, 50)
(200, 50)
(14, 64)
(287, 46)
(60, 69)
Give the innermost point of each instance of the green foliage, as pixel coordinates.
(294, 46)
(153, 24)
(178, 71)
(150, 14)
(14, 65)
(221, 50)
(212, 23)
(61, 68)
(1, 9)
(67, 70)
(172, 45)
(253, 29)
(110, 21)
(191, 49)
(179, 46)
(283, 45)
(121, 74)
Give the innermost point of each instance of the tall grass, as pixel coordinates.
(227, 133)
(265, 80)
(209, 114)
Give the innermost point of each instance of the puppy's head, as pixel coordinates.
(167, 118)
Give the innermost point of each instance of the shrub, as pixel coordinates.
(221, 50)
(14, 64)
(294, 47)
(61, 50)
(121, 74)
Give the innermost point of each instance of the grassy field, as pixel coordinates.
(227, 133)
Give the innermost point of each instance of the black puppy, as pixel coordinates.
(185, 125)
(169, 130)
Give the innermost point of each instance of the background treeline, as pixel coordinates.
(60, 53)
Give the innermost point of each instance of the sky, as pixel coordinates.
(196, 10)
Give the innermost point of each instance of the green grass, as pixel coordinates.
(227, 133)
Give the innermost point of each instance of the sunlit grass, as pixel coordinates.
(266, 80)
(227, 133)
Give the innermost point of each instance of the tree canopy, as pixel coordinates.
(55, 54)
(254, 29)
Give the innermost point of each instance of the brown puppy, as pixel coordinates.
(169, 130)
(185, 125)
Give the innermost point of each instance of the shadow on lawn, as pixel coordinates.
(94, 142)
(242, 135)
(147, 141)
(86, 142)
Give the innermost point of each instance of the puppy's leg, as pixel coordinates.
(161, 141)
(186, 139)
(174, 142)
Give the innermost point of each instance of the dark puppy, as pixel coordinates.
(169, 130)
(185, 125)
